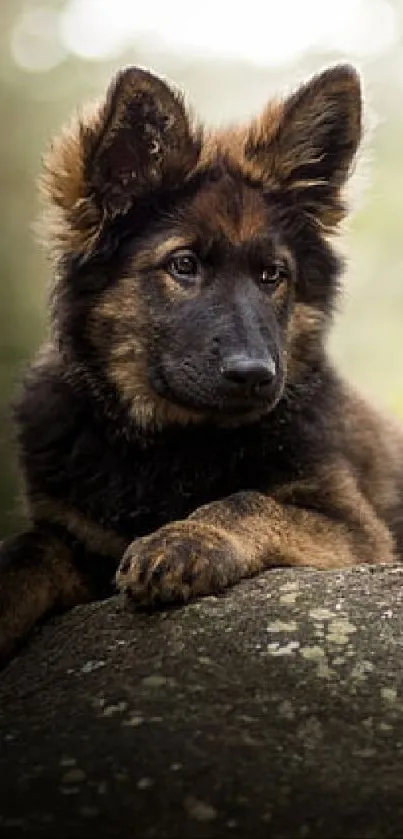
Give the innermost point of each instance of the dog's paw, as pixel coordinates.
(180, 561)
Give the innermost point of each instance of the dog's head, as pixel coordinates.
(195, 271)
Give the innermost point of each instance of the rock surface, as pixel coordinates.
(275, 711)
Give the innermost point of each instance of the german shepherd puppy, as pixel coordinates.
(184, 427)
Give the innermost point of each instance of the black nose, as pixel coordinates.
(248, 372)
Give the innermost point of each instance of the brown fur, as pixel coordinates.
(95, 538)
(119, 311)
(225, 541)
(31, 589)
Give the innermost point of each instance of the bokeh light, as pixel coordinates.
(36, 44)
(266, 33)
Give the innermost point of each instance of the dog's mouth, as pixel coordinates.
(206, 397)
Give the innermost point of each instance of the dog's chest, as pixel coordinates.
(150, 486)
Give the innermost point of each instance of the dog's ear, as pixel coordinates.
(143, 140)
(138, 140)
(307, 145)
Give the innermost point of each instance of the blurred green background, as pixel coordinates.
(229, 58)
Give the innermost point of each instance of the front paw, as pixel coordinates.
(178, 562)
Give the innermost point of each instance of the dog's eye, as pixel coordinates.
(273, 274)
(184, 265)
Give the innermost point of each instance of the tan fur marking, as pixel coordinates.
(155, 254)
(373, 443)
(27, 596)
(177, 291)
(120, 313)
(305, 328)
(211, 210)
(92, 535)
(231, 143)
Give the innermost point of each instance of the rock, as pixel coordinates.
(276, 710)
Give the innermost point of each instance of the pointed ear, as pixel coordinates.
(142, 141)
(308, 144)
(138, 140)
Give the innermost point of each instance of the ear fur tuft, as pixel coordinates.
(140, 139)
